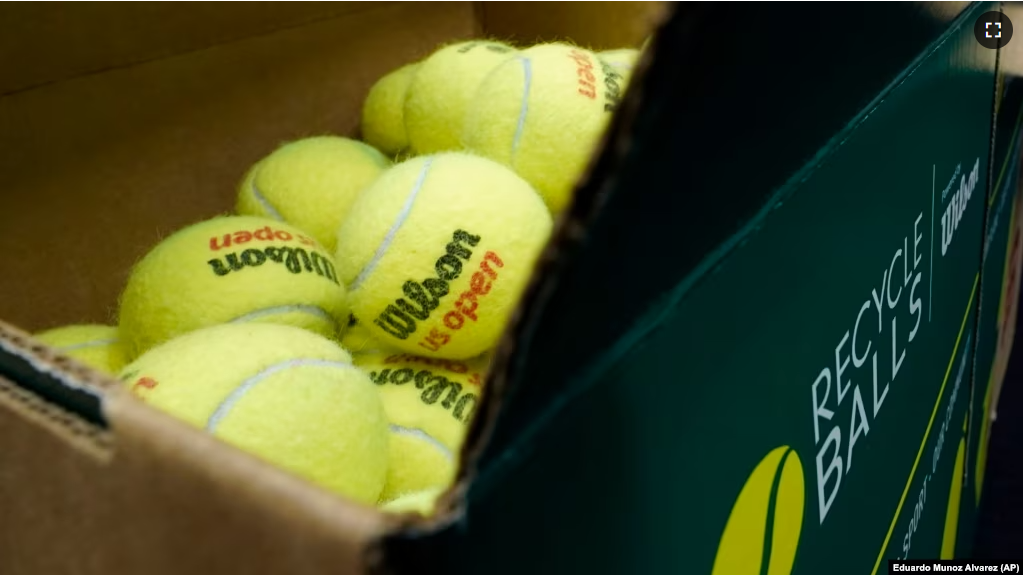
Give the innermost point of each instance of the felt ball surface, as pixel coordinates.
(441, 90)
(421, 502)
(310, 183)
(284, 394)
(622, 61)
(98, 346)
(359, 340)
(436, 253)
(231, 269)
(383, 113)
(542, 113)
(429, 403)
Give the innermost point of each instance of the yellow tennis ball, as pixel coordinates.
(955, 494)
(422, 502)
(287, 395)
(98, 346)
(429, 403)
(231, 269)
(622, 61)
(542, 114)
(383, 113)
(358, 340)
(311, 183)
(751, 536)
(441, 90)
(437, 251)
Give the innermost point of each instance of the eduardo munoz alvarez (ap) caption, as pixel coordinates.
(903, 566)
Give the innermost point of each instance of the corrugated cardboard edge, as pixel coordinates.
(50, 375)
(139, 491)
(61, 423)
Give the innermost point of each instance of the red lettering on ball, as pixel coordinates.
(142, 384)
(435, 340)
(468, 302)
(586, 79)
(478, 284)
(264, 234)
(454, 320)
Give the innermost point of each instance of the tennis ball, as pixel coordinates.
(441, 90)
(231, 269)
(437, 251)
(429, 403)
(622, 61)
(284, 394)
(357, 340)
(776, 483)
(542, 114)
(985, 428)
(98, 346)
(422, 502)
(310, 183)
(383, 113)
(955, 493)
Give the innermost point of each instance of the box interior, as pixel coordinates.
(115, 138)
(119, 125)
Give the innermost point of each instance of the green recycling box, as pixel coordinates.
(794, 395)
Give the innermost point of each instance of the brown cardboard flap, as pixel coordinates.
(42, 43)
(166, 499)
(596, 25)
(98, 169)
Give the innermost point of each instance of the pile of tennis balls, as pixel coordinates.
(339, 323)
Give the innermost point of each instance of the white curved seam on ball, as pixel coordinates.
(527, 73)
(88, 344)
(420, 434)
(245, 386)
(291, 308)
(270, 210)
(406, 209)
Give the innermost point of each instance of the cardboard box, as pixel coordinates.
(712, 371)
(118, 125)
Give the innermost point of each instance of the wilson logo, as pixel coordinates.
(295, 260)
(437, 390)
(421, 298)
